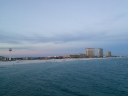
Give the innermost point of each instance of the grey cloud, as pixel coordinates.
(9, 38)
(57, 38)
(16, 48)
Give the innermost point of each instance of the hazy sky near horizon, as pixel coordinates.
(60, 27)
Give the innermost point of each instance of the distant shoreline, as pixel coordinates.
(17, 62)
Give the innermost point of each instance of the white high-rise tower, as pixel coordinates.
(10, 49)
(100, 52)
(90, 52)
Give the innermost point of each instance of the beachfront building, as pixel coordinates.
(3, 58)
(100, 52)
(81, 55)
(67, 56)
(108, 54)
(76, 56)
(90, 52)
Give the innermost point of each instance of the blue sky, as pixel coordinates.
(61, 27)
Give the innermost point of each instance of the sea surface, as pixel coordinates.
(98, 77)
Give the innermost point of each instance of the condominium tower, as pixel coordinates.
(90, 52)
(100, 52)
(108, 54)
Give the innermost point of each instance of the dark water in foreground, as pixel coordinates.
(101, 77)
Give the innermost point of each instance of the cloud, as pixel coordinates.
(78, 36)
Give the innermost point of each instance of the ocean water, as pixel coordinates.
(98, 77)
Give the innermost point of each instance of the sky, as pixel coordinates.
(62, 27)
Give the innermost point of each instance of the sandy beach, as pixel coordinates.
(17, 62)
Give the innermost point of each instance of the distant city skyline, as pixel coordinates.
(56, 27)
